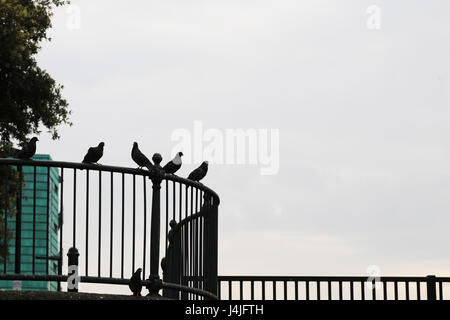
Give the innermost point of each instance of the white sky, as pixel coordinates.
(363, 116)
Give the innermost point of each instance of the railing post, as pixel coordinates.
(72, 281)
(157, 174)
(211, 244)
(431, 287)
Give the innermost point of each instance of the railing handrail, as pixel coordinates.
(107, 168)
(257, 278)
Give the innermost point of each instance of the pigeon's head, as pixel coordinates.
(138, 271)
(205, 163)
(180, 154)
(34, 139)
(135, 145)
(101, 144)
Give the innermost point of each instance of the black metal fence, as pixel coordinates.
(113, 216)
(332, 288)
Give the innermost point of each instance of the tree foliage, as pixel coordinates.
(29, 97)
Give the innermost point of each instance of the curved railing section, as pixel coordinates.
(113, 219)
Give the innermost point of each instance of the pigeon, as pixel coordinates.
(135, 283)
(94, 154)
(199, 173)
(173, 165)
(140, 159)
(28, 150)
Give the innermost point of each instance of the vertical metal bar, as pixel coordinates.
(191, 235)
(285, 290)
(18, 244)
(173, 200)
(352, 290)
(340, 290)
(61, 223)
(263, 285)
(296, 290)
(111, 223)
(181, 200)
(230, 290)
(363, 293)
(418, 290)
(384, 290)
(47, 247)
(252, 290)
(5, 240)
(374, 291)
(407, 289)
(396, 290)
(307, 289)
(133, 248)
(123, 225)
(441, 297)
(34, 220)
(145, 225)
(167, 217)
(99, 222)
(318, 290)
(196, 273)
(86, 253)
(199, 243)
(330, 295)
(274, 290)
(241, 290)
(74, 231)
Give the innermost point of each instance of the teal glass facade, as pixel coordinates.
(42, 219)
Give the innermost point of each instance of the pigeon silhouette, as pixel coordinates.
(173, 165)
(199, 173)
(140, 159)
(94, 154)
(28, 150)
(135, 284)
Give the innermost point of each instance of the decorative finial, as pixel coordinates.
(157, 158)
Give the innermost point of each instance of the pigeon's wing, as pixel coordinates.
(170, 167)
(89, 155)
(140, 158)
(24, 152)
(196, 174)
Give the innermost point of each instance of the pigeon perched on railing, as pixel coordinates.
(28, 150)
(173, 165)
(199, 173)
(94, 154)
(135, 284)
(140, 159)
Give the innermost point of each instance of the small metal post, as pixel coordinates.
(157, 174)
(73, 269)
(431, 287)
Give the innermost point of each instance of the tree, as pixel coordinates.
(29, 97)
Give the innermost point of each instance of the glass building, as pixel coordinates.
(46, 233)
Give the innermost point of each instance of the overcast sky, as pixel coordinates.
(363, 115)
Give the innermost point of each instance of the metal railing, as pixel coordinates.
(104, 213)
(331, 288)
